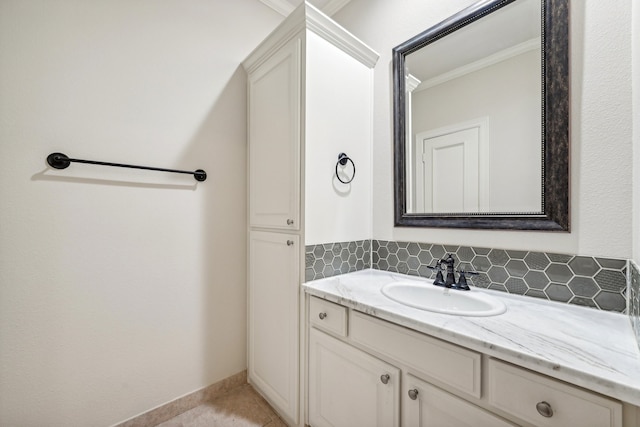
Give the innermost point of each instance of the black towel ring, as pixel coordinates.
(342, 160)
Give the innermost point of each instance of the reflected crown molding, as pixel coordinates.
(412, 83)
(497, 57)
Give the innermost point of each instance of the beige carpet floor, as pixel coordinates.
(241, 407)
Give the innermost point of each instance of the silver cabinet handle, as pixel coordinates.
(322, 316)
(289, 222)
(385, 378)
(289, 242)
(544, 409)
(413, 394)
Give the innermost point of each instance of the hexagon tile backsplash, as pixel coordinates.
(589, 281)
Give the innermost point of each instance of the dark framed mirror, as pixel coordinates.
(481, 119)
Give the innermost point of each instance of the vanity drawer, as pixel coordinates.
(546, 402)
(449, 364)
(328, 316)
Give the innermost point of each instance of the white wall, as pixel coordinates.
(338, 119)
(119, 289)
(601, 125)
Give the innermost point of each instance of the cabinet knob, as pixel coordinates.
(322, 316)
(413, 394)
(544, 409)
(384, 378)
(289, 222)
(289, 242)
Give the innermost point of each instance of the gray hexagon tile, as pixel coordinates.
(609, 280)
(515, 285)
(331, 259)
(465, 254)
(558, 292)
(413, 249)
(517, 254)
(616, 264)
(612, 301)
(584, 266)
(559, 273)
(498, 274)
(498, 257)
(536, 279)
(517, 268)
(536, 260)
(583, 287)
(481, 263)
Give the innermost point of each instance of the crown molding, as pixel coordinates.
(284, 8)
(329, 30)
(334, 6)
(310, 18)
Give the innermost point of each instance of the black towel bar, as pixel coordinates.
(62, 161)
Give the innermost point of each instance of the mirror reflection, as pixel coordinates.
(473, 118)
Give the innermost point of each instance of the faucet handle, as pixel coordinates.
(438, 265)
(472, 273)
(462, 279)
(439, 280)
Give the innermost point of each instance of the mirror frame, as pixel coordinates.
(554, 215)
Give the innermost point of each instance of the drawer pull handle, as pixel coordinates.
(322, 316)
(413, 394)
(289, 242)
(289, 222)
(385, 378)
(544, 409)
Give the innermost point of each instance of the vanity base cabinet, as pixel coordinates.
(273, 319)
(425, 405)
(348, 387)
(442, 384)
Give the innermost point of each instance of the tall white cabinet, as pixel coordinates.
(309, 97)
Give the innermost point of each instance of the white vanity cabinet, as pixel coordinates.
(442, 384)
(302, 82)
(348, 387)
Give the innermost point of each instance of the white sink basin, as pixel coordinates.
(426, 296)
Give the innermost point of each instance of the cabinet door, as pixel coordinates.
(273, 319)
(425, 405)
(274, 140)
(348, 387)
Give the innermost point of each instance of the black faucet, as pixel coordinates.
(450, 281)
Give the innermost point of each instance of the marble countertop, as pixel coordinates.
(590, 348)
